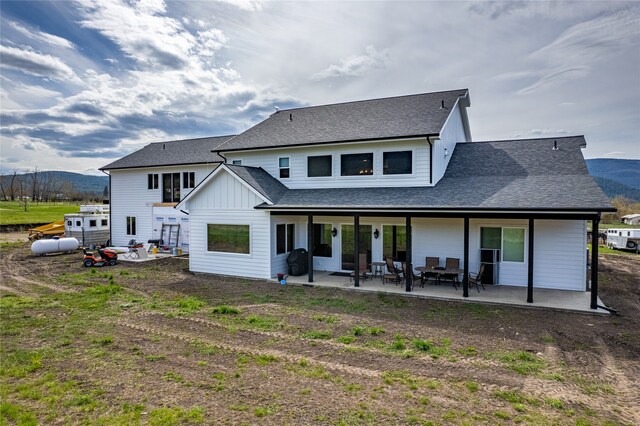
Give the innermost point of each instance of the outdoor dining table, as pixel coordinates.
(440, 272)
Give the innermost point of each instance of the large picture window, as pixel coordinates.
(170, 187)
(394, 242)
(397, 163)
(322, 240)
(319, 166)
(356, 164)
(228, 238)
(285, 238)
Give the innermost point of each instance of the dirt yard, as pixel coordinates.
(151, 343)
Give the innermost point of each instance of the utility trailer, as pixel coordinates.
(623, 238)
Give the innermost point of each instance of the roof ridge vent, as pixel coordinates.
(555, 145)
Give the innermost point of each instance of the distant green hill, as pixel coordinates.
(615, 189)
(82, 183)
(626, 172)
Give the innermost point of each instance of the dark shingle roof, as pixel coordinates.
(515, 174)
(402, 116)
(188, 151)
(260, 180)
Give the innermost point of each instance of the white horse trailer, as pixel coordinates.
(623, 238)
(89, 226)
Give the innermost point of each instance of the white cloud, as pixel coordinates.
(355, 65)
(33, 63)
(43, 37)
(553, 77)
(541, 133)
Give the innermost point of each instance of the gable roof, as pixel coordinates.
(170, 153)
(387, 118)
(526, 175)
(256, 178)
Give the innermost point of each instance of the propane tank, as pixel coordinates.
(54, 245)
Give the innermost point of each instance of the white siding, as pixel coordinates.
(130, 197)
(560, 254)
(452, 132)
(268, 160)
(279, 261)
(439, 238)
(225, 200)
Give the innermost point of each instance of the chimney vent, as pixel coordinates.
(290, 117)
(163, 146)
(442, 105)
(555, 145)
(277, 109)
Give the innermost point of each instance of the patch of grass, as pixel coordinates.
(337, 303)
(358, 331)
(317, 334)
(329, 319)
(398, 343)
(352, 387)
(16, 414)
(175, 416)
(262, 322)
(471, 386)
(154, 358)
(239, 407)
(104, 341)
(547, 338)
(516, 397)
(502, 415)
(346, 339)
(187, 305)
(262, 411)
(468, 351)
(376, 331)
(555, 403)
(422, 345)
(522, 362)
(266, 359)
(41, 212)
(225, 310)
(170, 376)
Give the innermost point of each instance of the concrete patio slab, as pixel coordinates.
(573, 301)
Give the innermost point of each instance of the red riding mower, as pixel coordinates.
(106, 257)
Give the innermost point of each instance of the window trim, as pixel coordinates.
(93, 223)
(173, 188)
(287, 248)
(104, 222)
(411, 151)
(236, 162)
(502, 227)
(152, 181)
(131, 226)
(188, 180)
(282, 168)
(330, 175)
(227, 253)
(373, 162)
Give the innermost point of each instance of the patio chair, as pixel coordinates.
(431, 262)
(452, 263)
(392, 272)
(476, 279)
(362, 268)
(412, 276)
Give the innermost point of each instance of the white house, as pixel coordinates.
(404, 172)
(147, 184)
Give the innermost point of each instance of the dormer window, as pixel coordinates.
(283, 163)
(397, 163)
(356, 164)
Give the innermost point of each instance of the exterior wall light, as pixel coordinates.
(334, 232)
(376, 234)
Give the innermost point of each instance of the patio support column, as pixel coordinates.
(594, 261)
(310, 246)
(356, 248)
(409, 268)
(530, 266)
(465, 278)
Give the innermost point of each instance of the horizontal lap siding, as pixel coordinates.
(225, 200)
(560, 254)
(130, 197)
(279, 261)
(268, 160)
(438, 238)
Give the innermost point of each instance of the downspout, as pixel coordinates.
(110, 205)
(223, 157)
(430, 160)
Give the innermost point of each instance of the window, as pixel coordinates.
(104, 222)
(78, 223)
(152, 181)
(284, 238)
(228, 238)
(513, 244)
(188, 179)
(283, 163)
(322, 240)
(237, 162)
(131, 225)
(394, 242)
(93, 223)
(356, 164)
(69, 223)
(397, 163)
(510, 242)
(170, 187)
(318, 166)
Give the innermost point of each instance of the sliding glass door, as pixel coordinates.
(348, 241)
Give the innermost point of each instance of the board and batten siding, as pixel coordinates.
(226, 200)
(130, 197)
(560, 256)
(268, 160)
(452, 132)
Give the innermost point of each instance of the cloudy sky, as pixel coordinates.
(85, 82)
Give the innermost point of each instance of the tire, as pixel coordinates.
(632, 244)
(88, 263)
(112, 262)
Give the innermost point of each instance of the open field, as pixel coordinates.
(149, 343)
(12, 212)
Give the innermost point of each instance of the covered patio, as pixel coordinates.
(573, 301)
